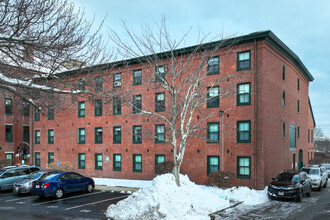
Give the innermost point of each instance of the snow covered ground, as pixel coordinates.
(161, 198)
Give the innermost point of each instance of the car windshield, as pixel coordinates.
(1, 171)
(34, 175)
(288, 177)
(312, 171)
(48, 177)
(327, 166)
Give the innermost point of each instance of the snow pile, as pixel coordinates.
(122, 182)
(163, 199)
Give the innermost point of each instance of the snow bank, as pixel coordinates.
(122, 182)
(163, 199)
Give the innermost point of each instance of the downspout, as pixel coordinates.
(255, 112)
(32, 141)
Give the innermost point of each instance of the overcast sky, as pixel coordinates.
(303, 25)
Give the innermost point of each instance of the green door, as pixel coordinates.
(300, 159)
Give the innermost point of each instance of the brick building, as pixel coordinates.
(265, 127)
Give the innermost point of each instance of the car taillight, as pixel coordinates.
(45, 185)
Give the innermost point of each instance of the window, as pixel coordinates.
(213, 97)
(244, 94)
(81, 161)
(9, 133)
(212, 164)
(37, 158)
(117, 135)
(308, 135)
(160, 73)
(116, 106)
(137, 104)
(37, 136)
(159, 158)
(117, 162)
(283, 72)
(81, 136)
(98, 162)
(98, 107)
(283, 130)
(117, 80)
(98, 135)
(81, 109)
(26, 134)
(298, 84)
(213, 132)
(137, 77)
(137, 134)
(312, 135)
(36, 114)
(244, 60)
(50, 157)
(283, 98)
(298, 106)
(160, 134)
(244, 167)
(160, 102)
(298, 132)
(50, 112)
(50, 136)
(9, 106)
(26, 109)
(9, 159)
(213, 66)
(81, 84)
(243, 131)
(137, 163)
(292, 137)
(98, 83)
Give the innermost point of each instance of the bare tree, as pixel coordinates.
(322, 143)
(39, 39)
(183, 76)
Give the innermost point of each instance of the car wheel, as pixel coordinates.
(300, 195)
(58, 193)
(326, 182)
(309, 192)
(319, 188)
(89, 188)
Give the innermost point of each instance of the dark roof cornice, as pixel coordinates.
(268, 36)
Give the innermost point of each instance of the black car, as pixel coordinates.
(290, 185)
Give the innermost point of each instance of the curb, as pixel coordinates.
(121, 189)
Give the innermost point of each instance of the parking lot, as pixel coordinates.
(72, 206)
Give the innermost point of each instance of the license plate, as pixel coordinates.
(37, 186)
(281, 193)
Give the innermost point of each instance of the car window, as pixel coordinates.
(295, 178)
(303, 176)
(34, 175)
(75, 176)
(311, 171)
(49, 177)
(2, 171)
(33, 169)
(64, 177)
(287, 177)
(9, 173)
(20, 172)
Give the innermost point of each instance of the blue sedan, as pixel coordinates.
(58, 184)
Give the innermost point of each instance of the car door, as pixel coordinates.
(7, 179)
(306, 183)
(323, 176)
(76, 182)
(64, 180)
(21, 173)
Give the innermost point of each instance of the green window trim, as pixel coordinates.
(98, 135)
(292, 133)
(213, 97)
(283, 72)
(137, 77)
(243, 167)
(160, 102)
(37, 158)
(137, 134)
(298, 132)
(9, 133)
(37, 137)
(98, 107)
(160, 73)
(81, 161)
(117, 80)
(243, 94)
(9, 106)
(50, 136)
(9, 159)
(50, 112)
(244, 60)
(298, 106)
(213, 65)
(116, 162)
(244, 136)
(37, 114)
(116, 106)
(213, 164)
(283, 130)
(26, 109)
(98, 162)
(98, 83)
(50, 157)
(117, 135)
(283, 98)
(159, 158)
(298, 84)
(137, 163)
(26, 134)
(213, 136)
(160, 133)
(81, 109)
(137, 104)
(81, 136)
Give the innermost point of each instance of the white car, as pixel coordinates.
(318, 175)
(327, 168)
